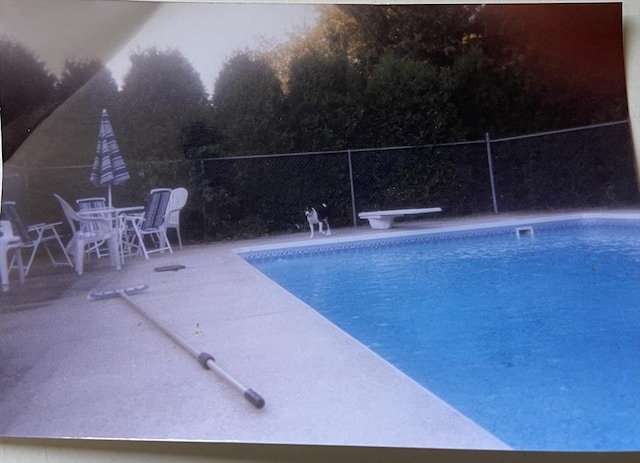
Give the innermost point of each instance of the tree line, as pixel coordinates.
(365, 76)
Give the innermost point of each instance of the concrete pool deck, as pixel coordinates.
(70, 367)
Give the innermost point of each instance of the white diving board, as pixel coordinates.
(381, 220)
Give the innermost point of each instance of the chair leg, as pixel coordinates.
(4, 268)
(141, 244)
(163, 240)
(64, 252)
(121, 239)
(163, 234)
(52, 258)
(34, 245)
(79, 255)
(21, 270)
(114, 255)
(44, 240)
(125, 243)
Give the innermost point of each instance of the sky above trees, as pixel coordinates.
(570, 40)
(206, 34)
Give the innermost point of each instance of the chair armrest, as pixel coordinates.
(97, 212)
(94, 219)
(132, 216)
(43, 226)
(130, 210)
(134, 219)
(102, 223)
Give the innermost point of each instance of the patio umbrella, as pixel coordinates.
(108, 165)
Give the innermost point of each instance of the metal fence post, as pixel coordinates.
(493, 182)
(353, 193)
(204, 212)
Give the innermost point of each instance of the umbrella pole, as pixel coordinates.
(109, 195)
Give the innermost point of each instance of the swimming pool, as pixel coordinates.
(536, 338)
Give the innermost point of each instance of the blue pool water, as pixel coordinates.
(536, 339)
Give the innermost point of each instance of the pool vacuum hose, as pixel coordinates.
(205, 359)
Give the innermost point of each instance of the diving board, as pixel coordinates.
(381, 220)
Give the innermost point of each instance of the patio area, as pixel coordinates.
(97, 369)
(71, 367)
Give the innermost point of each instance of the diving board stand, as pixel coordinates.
(382, 220)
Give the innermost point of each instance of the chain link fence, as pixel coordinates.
(240, 197)
(578, 168)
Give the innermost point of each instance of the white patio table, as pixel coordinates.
(118, 222)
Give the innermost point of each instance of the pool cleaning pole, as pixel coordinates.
(205, 359)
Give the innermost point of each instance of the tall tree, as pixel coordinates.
(568, 55)
(79, 72)
(408, 103)
(336, 33)
(86, 86)
(435, 33)
(161, 95)
(162, 80)
(492, 99)
(324, 102)
(248, 104)
(26, 90)
(25, 82)
(365, 33)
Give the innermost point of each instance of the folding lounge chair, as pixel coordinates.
(9, 243)
(177, 200)
(32, 236)
(100, 229)
(151, 223)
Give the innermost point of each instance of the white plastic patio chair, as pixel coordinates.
(150, 223)
(9, 244)
(85, 205)
(177, 200)
(100, 229)
(32, 236)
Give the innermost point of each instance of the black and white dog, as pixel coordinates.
(320, 216)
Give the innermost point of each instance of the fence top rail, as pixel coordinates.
(554, 132)
(342, 151)
(397, 148)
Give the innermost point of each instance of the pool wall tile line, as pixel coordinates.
(440, 233)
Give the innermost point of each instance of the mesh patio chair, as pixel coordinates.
(88, 231)
(31, 237)
(85, 206)
(149, 224)
(177, 200)
(91, 203)
(9, 244)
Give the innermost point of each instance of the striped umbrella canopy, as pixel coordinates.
(108, 166)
